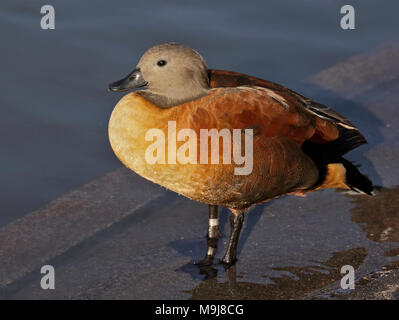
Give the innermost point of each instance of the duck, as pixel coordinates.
(297, 144)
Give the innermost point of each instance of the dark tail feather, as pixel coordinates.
(347, 140)
(355, 179)
(323, 156)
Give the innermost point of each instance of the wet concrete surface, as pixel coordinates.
(291, 249)
(121, 237)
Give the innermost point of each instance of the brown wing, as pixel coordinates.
(280, 129)
(269, 113)
(331, 126)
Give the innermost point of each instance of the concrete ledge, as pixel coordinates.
(362, 72)
(29, 242)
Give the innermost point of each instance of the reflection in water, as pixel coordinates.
(302, 281)
(378, 217)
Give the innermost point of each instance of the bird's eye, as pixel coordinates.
(161, 63)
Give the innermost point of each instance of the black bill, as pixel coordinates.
(132, 81)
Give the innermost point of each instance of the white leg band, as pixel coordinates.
(211, 251)
(213, 222)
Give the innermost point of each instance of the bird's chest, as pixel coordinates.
(148, 144)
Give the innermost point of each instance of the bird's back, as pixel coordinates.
(335, 134)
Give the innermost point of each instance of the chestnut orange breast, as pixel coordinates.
(279, 129)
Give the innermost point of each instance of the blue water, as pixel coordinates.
(54, 100)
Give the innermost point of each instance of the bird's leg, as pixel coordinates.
(212, 236)
(236, 222)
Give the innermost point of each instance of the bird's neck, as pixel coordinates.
(172, 99)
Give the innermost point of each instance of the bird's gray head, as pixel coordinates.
(171, 74)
